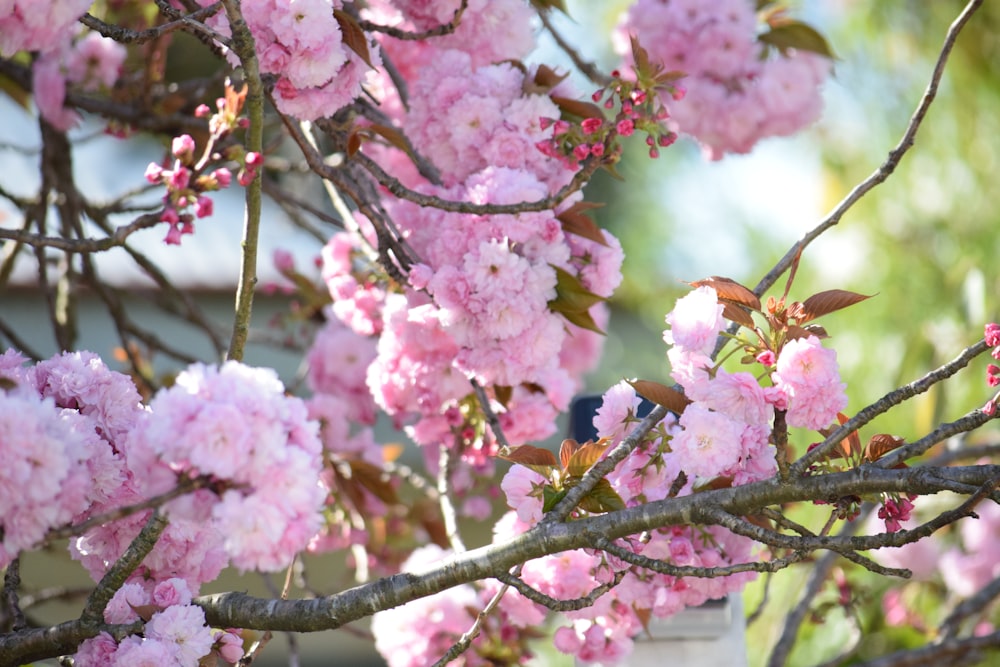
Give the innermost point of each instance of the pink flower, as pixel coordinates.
(418, 633)
(766, 358)
(521, 484)
(708, 443)
(809, 376)
(230, 646)
(49, 86)
(739, 396)
(183, 627)
(695, 321)
(894, 512)
(135, 651)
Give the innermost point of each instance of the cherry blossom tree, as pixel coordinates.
(461, 293)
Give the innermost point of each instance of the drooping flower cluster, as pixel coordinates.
(235, 424)
(733, 98)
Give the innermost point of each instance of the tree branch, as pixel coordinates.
(244, 611)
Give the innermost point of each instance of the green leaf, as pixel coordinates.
(551, 497)
(602, 498)
(571, 295)
(791, 34)
(573, 300)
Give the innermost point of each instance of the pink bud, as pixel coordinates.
(223, 177)
(203, 207)
(283, 260)
(202, 111)
(591, 125)
(254, 159)
(626, 127)
(154, 173)
(183, 147)
(992, 334)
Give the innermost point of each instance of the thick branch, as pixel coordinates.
(244, 611)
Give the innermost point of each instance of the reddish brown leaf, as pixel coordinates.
(353, 143)
(816, 330)
(566, 451)
(669, 398)
(353, 36)
(881, 444)
(585, 457)
(737, 314)
(374, 480)
(575, 221)
(793, 332)
(825, 302)
(427, 515)
(644, 614)
(730, 290)
(548, 78)
(715, 483)
(503, 394)
(145, 611)
(530, 455)
(578, 107)
(849, 447)
(390, 134)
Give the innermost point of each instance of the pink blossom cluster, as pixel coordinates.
(489, 31)
(722, 433)
(62, 424)
(175, 632)
(302, 44)
(733, 97)
(466, 118)
(992, 338)
(491, 280)
(725, 430)
(90, 63)
(236, 424)
(47, 28)
(30, 25)
(185, 199)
